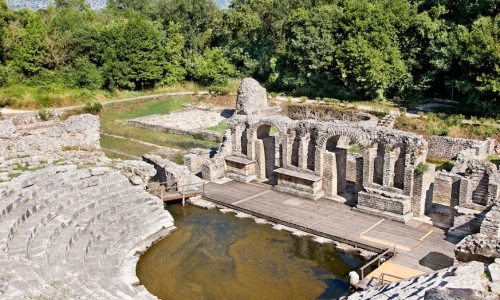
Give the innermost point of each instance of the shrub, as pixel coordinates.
(422, 168)
(92, 108)
(303, 99)
(45, 114)
(454, 120)
(86, 75)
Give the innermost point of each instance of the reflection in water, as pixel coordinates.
(217, 256)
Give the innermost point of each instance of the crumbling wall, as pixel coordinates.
(172, 174)
(30, 136)
(444, 147)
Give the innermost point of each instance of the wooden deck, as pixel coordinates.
(420, 247)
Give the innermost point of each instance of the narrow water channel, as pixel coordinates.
(218, 256)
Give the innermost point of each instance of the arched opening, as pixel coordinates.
(294, 160)
(339, 166)
(311, 152)
(266, 152)
(399, 168)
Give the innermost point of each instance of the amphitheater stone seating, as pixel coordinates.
(76, 232)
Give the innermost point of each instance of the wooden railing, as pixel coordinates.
(176, 192)
(382, 281)
(376, 259)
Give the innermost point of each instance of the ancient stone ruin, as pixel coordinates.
(376, 169)
(73, 223)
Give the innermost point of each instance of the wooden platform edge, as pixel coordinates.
(298, 227)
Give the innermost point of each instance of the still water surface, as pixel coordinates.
(218, 256)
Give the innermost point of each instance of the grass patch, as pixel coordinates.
(446, 125)
(113, 122)
(163, 106)
(441, 164)
(126, 146)
(354, 150)
(494, 159)
(221, 128)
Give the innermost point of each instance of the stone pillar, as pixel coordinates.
(341, 161)
(237, 132)
(287, 148)
(318, 165)
(421, 191)
(303, 150)
(409, 178)
(388, 176)
(465, 196)
(359, 177)
(260, 157)
(330, 174)
(368, 164)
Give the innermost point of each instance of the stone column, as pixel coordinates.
(465, 196)
(288, 149)
(389, 161)
(260, 157)
(341, 160)
(368, 164)
(421, 191)
(237, 132)
(303, 149)
(330, 174)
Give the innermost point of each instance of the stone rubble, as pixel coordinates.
(461, 281)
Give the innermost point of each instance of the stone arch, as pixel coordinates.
(265, 148)
(356, 137)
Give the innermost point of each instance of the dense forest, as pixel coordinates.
(354, 49)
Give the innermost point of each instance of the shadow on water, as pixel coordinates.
(217, 256)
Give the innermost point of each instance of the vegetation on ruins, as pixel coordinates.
(449, 125)
(353, 49)
(422, 168)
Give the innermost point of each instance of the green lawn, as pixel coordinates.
(127, 146)
(221, 128)
(161, 107)
(494, 159)
(441, 164)
(114, 118)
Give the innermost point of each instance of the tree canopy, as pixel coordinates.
(351, 49)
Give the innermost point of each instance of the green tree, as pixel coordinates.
(174, 44)
(26, 49)
(137, 55)
(84, 74)
(211, 68)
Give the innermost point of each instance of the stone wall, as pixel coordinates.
(446, 188)
(329, 113)
(172, 174)
(195, 159)
(443, 147)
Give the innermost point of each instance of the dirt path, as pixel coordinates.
(8, 111)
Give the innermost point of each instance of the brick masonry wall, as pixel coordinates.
(443, 147)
